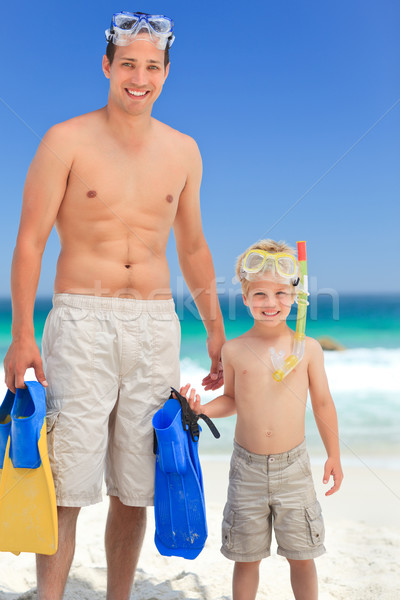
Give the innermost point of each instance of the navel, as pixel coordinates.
(128, 266)
(170, 198)
(91, 194)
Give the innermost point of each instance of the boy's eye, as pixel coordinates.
(259, 294)
(127, 64)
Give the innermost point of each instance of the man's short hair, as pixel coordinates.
(268, 246)
(110, 52)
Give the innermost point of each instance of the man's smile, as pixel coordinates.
(137, 93)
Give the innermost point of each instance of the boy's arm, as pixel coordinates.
(222, 406)
(325, 414)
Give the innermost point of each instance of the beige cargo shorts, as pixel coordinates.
(109, 363)
(271, 492)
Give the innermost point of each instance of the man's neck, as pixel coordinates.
(128, 127)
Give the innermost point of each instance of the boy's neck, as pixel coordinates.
(271, 333)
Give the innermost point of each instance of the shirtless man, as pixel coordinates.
(113, 182)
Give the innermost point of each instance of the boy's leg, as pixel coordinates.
(303, 577)
(125, 531)
(245, 580)
(52, 571)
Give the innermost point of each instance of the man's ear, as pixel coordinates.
(166, 72)
(106, 66)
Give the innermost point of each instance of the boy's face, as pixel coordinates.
(269, 300)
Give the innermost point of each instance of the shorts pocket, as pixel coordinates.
(227, 525)
(51, 420)
(305, 465)
(315, 523)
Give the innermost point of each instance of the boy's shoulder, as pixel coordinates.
(313, 350)
(233, 346)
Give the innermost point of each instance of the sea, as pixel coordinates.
(364, 377)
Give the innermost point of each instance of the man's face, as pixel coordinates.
(136, 75)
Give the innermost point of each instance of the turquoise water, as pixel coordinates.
(364, 379)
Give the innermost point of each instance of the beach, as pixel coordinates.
(362, 520)
(362, 524)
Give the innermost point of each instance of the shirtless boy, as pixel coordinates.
(270, 482)
(113, 182)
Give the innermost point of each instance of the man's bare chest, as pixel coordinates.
(103, 178)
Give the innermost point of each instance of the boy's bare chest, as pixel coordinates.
(254, 380)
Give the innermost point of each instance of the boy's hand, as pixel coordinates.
(333, 467)
(193, 398)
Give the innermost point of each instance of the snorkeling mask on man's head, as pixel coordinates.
(126, 27)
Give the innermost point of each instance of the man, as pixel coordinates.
(114, 182)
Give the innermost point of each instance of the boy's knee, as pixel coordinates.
(300, 564)
(247, 566)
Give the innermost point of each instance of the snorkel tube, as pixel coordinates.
(283, 366)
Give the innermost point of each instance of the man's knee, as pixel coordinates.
(118, 509)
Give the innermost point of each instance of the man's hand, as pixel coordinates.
(21, 356)
(333, 467)
(215, 378)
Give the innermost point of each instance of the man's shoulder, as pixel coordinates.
(182, 140)
(75, 126)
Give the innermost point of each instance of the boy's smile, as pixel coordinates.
(269, 300)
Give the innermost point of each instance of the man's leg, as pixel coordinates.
(303, 577)
(245, 580)
(52, 571)
(125, 529)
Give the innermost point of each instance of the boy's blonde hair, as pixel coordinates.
(268, 246)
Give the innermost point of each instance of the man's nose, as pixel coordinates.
(139, 76)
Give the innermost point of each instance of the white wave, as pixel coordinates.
(364, 369)
(368, 370)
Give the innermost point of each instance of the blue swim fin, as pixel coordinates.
(179, 507)
(5, 424)
(28, 510)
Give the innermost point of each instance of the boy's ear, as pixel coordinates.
(245, 300)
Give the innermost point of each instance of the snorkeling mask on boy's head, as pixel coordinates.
(256, 264)
(126, 27)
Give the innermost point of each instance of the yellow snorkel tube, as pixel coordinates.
(283, 366)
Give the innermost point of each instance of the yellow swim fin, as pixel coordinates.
(28, 509)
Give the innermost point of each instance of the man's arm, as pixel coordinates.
(197, 266)
(43, 193)
(325, 414)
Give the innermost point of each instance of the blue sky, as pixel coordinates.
(295, 106)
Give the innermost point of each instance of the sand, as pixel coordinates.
(362, 539)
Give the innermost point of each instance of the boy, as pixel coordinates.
(270, 479)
